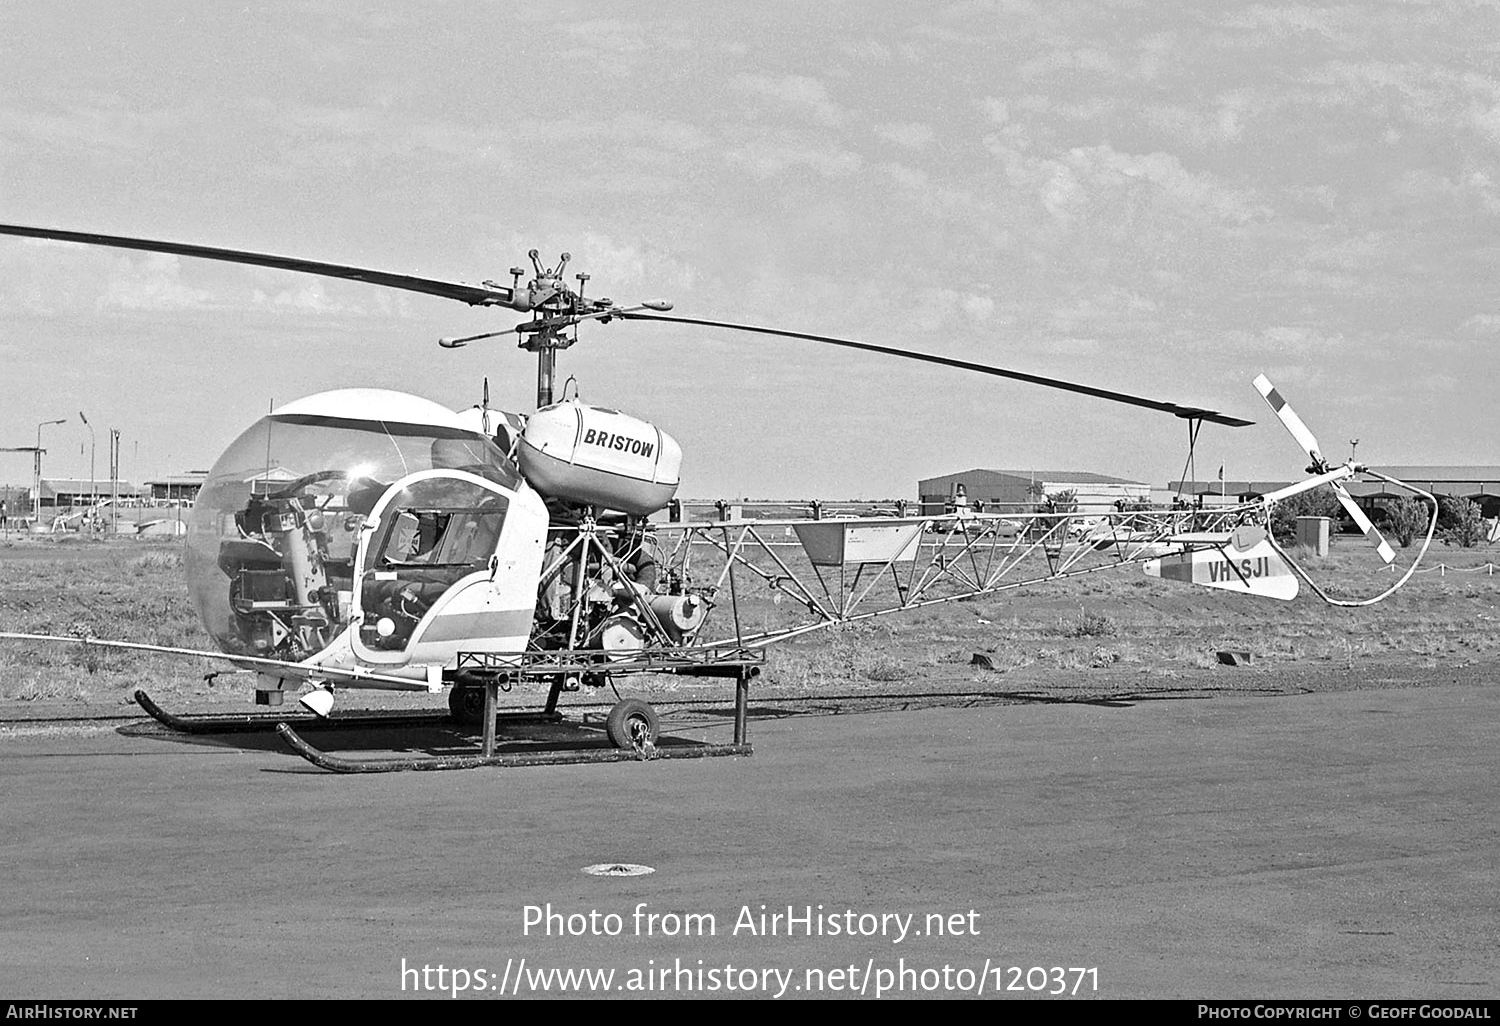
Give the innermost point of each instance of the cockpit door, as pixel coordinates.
(438, 568)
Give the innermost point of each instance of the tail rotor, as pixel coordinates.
(1320, 466)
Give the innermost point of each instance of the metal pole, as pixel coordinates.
(741, 700)
(546, 368)
(36, 475)
(114, 481)
(93, 480)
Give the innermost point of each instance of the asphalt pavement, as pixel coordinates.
(1332, 845)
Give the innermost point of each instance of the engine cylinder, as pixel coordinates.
(679, 614)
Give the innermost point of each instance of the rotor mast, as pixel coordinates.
(544, 334)
(555, 308)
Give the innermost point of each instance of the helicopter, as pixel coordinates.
(367, 538)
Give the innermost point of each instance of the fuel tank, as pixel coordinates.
(599, 457)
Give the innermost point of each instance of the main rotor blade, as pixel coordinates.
(474, 295)
(1289, 419)
(1363, 523)
(1185, 412)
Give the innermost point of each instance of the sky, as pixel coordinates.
(1157, 197)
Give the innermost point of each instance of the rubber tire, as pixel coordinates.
(625, 713)
(466, 704)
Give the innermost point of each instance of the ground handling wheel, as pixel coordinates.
(466, 704)
(633, 724)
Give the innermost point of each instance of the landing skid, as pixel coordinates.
(240, 723)
(339, 764)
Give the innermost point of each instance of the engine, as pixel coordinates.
(604, 586)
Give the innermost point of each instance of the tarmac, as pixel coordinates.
(1336, 846)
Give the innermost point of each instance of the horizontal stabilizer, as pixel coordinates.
(1257, 570)
(1246, 537)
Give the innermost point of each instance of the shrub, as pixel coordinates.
(1461, 522)
(1319, 502)
(1065, 501)
(1407, 520)
(1088, 625)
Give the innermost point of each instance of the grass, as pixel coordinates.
(1122, 621)
(124, 591)
(1116, 622)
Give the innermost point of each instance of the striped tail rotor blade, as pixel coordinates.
(1289, 418)
(1364, 524)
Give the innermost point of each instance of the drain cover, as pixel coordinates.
(617, 869)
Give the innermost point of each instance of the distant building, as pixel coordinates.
(1217, 493)
(1003, 490)
(271, 479)
(179, 488)
(67, 491)
(1478, 484)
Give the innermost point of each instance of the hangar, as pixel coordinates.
(1479, 484)
(178, 488)
(65, 491)
(1217, 492)
(1003, 490)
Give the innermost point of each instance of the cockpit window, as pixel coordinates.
(273, 536)
(433, 533)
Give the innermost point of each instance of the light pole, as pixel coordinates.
(114, 481)
(36, 474)
(93, 487)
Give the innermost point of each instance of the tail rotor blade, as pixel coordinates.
(1363, 523)
(1289, 419)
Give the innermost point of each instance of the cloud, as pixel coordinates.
(911, 135)
(311, 297)
(1468, 193)
(1086, 59)
(1101, 175)
(1488, 324)
(152, 282)
(1437, 382)
(1269, 22)
(1287, 338)
(996, 110)
(936, 308)
(766, 160)
(1105, 311)
(1202, 126)
(798, 92)
(977, 308)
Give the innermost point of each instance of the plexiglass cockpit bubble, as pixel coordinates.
(275, 530)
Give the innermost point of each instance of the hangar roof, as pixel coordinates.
(1065, 476)
(1440, 480)
(52, 486)
(1216, 486)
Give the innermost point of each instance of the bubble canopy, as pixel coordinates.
(289, 497)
